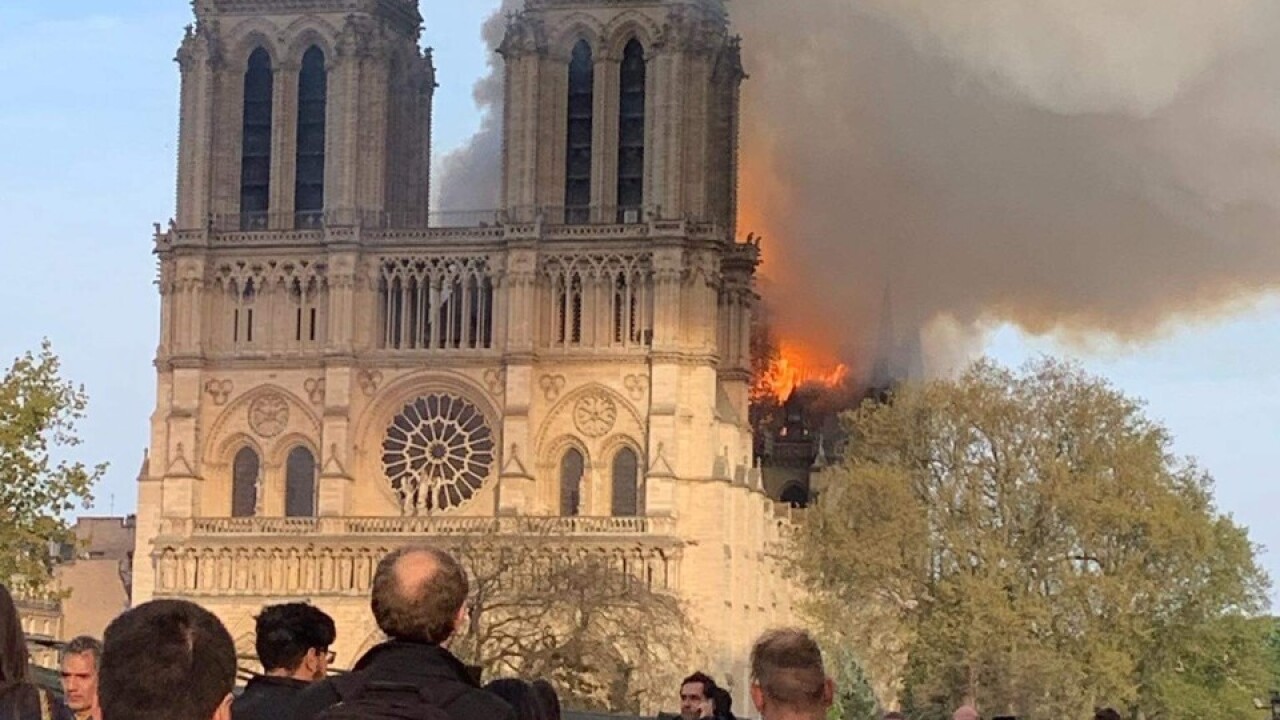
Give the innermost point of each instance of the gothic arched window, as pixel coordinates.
(626, 484)
(300, 484)
(244, 483)
(631, 102)
(308, 197)
(572, 467)
(255, 149)
(577, 184)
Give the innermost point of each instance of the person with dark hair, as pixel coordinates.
(788, 677)
(419, 601)
(722, 704)
(548, 698)
(520, 695)
(78, 669)
(293, 642)
(695, 697)
(167, 660)
(21, 699)
(1107, 714)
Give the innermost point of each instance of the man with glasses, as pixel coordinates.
(293, 643)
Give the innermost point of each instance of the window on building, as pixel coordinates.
(631, 108)
(577, 190)
(245, 471)
(255, 153)
(308, 195)
(300, 484)
(572, 467)
(626, 484)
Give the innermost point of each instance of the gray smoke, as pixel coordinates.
(471, 176)
(1094, 169)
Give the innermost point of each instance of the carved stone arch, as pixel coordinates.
(224, 452)
(578, 26)
(610, 447)
(279, 449)
(627, 25)
(229, 420)
(252, 34)
(392, 398)
(569, 402)
(553, 451)
(308, 31)
(374, 423)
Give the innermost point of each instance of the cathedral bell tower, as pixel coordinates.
(302, 114)
(620, 112)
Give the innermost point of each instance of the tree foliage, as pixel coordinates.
(598, 632)
(39, 411)
(1039, 550)
(855, 699)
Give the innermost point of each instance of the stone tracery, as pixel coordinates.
(438, 452)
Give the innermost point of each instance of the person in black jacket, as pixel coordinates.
(419, 601)
(293, 642)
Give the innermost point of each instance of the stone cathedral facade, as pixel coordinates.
(341, 371)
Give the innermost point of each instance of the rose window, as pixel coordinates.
(437, 453)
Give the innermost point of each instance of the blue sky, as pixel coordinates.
(87, 145)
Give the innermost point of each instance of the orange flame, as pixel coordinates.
(797, 366)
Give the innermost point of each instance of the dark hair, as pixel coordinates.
(894, 715)
(548, 698)
(787, 665)
(13, 643)
(708, 685)
(1106, 714)
(520, 695)
(425, 611)
(83, 645)
(722, 704)
(284, 634)
(166, 660)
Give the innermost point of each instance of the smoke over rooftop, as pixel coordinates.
(1091, 168)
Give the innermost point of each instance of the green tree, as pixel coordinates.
(39, 411)
(855, 699)
(1039, 550)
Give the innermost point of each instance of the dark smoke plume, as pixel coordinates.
(1094, 169)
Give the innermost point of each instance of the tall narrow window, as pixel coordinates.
(626, 484)
(577, 184)
(300, 484)
(255, 153)
(572, 467)
(244, 483)
(631, 133)
(308, 192)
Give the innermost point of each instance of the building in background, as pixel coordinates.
(341, 371)
(92, 577)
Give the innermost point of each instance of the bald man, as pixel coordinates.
(420, 602)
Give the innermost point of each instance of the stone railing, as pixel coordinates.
(184, 528)
(278, 557)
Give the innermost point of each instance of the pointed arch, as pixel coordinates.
(300, 483)
(632, 77)
(573, 467)
(627, 26)
(246, 475)
(579, 134)
(626, 483)
(313, 92)
(255, 147)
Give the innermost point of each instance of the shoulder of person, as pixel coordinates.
(316, 699)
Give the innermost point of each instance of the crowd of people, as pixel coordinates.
(174, 660)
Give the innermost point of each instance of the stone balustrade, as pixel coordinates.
(551, 527)
(317, 557)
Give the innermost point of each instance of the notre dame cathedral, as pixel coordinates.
(340, 370)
